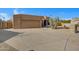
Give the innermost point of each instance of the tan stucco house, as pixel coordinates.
(29, 21)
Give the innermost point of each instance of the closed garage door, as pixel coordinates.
(30, 24)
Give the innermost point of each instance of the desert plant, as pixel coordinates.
(59, 24)
(52, 22)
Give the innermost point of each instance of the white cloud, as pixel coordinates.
(4, 16)
(17, 11)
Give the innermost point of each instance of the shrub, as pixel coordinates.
(59, 24)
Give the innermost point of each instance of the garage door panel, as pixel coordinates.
(30, 24)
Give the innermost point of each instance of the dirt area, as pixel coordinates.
(39, 39)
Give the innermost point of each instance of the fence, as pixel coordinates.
(5, 25)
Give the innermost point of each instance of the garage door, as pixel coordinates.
(30, 24)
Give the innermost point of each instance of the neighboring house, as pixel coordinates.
(29, 21)
(75, 21)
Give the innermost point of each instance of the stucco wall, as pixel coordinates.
(27, 21)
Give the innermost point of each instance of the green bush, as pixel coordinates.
(59, 24)
(66, 21)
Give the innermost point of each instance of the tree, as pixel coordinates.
(51, 21)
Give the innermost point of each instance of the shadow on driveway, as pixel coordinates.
(76, 31)
(5, 35)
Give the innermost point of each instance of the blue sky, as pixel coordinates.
(63, 13)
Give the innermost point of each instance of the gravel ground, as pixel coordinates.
(40, 39)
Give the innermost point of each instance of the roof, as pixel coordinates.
(30, 17)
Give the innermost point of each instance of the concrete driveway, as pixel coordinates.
(4, 36)
(43, 39)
